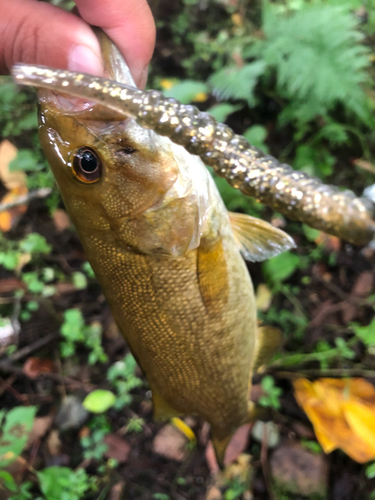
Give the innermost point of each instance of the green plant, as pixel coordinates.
(135, 424)
(272, 393)
(93, 444)
(366, 334)
(62, 483)
(161, 496)
(235, 489)
(122, 377)
(15, 426)
(99, 401)
(75, 331)
(15, 254)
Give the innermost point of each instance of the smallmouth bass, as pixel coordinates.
(166, 254)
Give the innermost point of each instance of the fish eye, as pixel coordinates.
(87, 165)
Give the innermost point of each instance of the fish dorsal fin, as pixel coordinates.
(258, 240)
(269, 339)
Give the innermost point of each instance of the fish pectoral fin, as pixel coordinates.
(269, 340)
(257, 239)
(162, 409)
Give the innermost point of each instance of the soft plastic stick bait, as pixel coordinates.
(245, 167)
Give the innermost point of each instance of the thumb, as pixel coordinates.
(39, 33)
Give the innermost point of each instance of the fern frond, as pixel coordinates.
(237, 83)
(318, 58)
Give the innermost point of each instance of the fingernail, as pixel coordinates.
(84, 60)
(142, 80)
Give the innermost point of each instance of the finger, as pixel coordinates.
(130, 24)
(40, 33)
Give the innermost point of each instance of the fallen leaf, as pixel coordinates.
(11, 180)
(342, 412)
(33, 367)
(40, 427)
(170, 443)
(117, 491)
(8, 218)
(329, 242)
(61, 220)
(213, 493)
(15, 182)
(54, 444)
(363, 284)
(118, 448)
(238, 443)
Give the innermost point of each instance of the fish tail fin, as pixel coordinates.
(220, 447)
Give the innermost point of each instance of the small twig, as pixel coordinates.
(7, 367)
(22, 353)
(26, 198)
(7, 383)
(329, 372)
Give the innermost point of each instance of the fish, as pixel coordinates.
(292, 193)
(166, 253)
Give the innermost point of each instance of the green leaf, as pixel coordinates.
(238, 83)
(256, 136)
(99, 401)
(72, 328)
(318, 58)
(365, 333)
(187, 91)
(62, 483)
(15, 428)
(7, 481)
(221, 111)
(370, 471)
(25, 160)
(34, 243)
(281, 267)
(79, 280)
(310, 233)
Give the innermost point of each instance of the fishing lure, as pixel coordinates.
(292, 193)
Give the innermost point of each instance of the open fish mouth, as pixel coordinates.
(64, 102)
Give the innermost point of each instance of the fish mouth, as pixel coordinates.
(115, 68)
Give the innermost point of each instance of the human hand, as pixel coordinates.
(40, 33)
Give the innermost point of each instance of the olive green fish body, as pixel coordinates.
(160, 242)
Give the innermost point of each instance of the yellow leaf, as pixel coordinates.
(342, 412)
(11, 180)
(9, 217)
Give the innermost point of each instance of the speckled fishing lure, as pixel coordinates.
(292, 193)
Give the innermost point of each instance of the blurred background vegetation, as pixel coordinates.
(296, 78)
